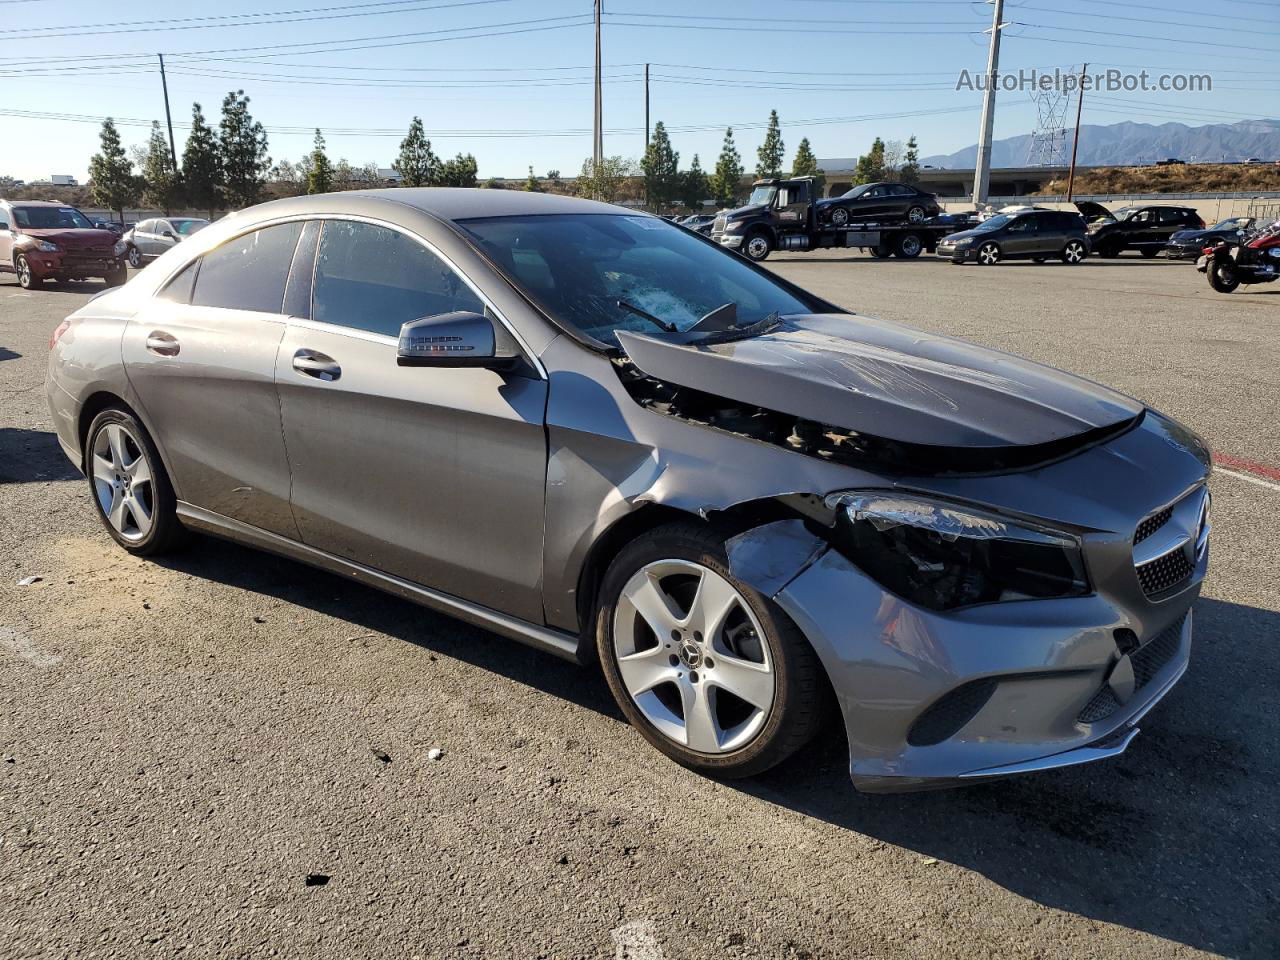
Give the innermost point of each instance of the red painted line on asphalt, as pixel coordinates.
(1248, 466)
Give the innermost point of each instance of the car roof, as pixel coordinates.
(463, 203)
(36, 203)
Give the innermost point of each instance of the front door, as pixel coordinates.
(436, 475)
(201, 359)
(1020, 237)
(792, 204)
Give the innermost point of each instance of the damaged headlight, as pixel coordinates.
(943, 556)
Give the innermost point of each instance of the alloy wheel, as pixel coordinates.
(1074, 252)
(24, 273)
(757, 248)
(135, 258)
(839, 217)
(122, 480)
(915, 215)
(693, 657)
(989, 254)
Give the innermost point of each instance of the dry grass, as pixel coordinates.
(1180, 178)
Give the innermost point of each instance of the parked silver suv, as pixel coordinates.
(598, 433)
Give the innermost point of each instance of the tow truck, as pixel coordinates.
(782, 215)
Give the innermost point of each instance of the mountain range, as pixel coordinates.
(1128, 144)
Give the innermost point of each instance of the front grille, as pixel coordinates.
(717, 225)
(1153, 523)
(1165, 572)
(949, 713)
(1148, 660)
(89, 256)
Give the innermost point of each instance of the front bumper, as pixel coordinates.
(732, 240)
(947, 251)
(61, 264)
(1178, 251)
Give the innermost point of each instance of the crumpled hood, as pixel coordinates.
(72, 239)
(888, 380)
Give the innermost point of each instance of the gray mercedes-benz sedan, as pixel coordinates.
(600, 434)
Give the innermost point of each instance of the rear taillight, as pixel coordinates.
(58, 332)
(1200, 224)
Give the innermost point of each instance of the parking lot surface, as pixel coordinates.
(183, 743)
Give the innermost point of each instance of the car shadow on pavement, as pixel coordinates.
(368, 609)
(32, 456)
(1178, 837)
(7, 354)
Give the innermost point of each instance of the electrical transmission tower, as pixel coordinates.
(1048, 146)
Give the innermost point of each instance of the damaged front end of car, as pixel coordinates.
(951, 528)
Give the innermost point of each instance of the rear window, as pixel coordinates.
(249, 272)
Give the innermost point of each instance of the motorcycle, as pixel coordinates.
(1254, 259)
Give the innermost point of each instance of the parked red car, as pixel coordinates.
(42, 240)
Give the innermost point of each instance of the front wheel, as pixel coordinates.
(988, 254)
(1222, 277)
(1073, 252)
(708, 670)
(839, 217)
(118, 278)
(135, 257)
(130, 488)
(1149, 252)
(26, 279)
(757, 246)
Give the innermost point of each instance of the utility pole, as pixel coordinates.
(173, 150)
(646, 106)
(1075, 141)
(982, 173)
(597, 152)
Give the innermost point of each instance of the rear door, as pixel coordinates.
(6, 239)
(143, 238)
(201, 358)
(433, 474)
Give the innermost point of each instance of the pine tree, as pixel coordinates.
(910, 172)
(243, 146)
(202, 165)
(870, 166)
(661, 167)
(160, 180)
(770, 154)
(320, 179)
(417, 165)
(805, 163)
(459, 172)
(695, 185)
(725, 182)
(532, 185)
(111, 172)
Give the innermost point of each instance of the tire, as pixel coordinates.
(839, 216)
(1222, 277)
(1074, 252)
(676, 667)
(909, 246)
(880, 252)
(1110, 251)
(26, 279)
(1149, 253)
(135, 257)
(118, 278)
(916, 215)
(126, 479)
(757, 246)
(988, 254)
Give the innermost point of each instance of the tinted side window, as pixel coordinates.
(375, 279)
(249, 272)
(179, 288)
(899, 190)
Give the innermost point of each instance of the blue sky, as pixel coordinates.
(509, 80)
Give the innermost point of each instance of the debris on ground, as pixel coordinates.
(259, 619)
(28, 581)
(435, 753)
(316, 879)
(381, 755)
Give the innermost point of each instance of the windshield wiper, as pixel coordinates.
(657, 322)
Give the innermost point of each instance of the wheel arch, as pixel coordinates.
(100, 400)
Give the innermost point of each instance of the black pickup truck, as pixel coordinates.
(789, 215)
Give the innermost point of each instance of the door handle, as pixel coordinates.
(312, 364)
(164, 344)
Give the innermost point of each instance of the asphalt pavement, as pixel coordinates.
(223, 754)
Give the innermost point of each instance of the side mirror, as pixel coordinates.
(169, 234)
(457, 339)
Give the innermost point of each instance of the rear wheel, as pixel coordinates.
(1109, 250)
(989, 254)
(1073, 252)
(707, 669)
(130, 488)
(1149, 252)
(916, 215)
(909, 246)
(135, 257)
(1222, 277)
(757, 246)
(26, 279)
